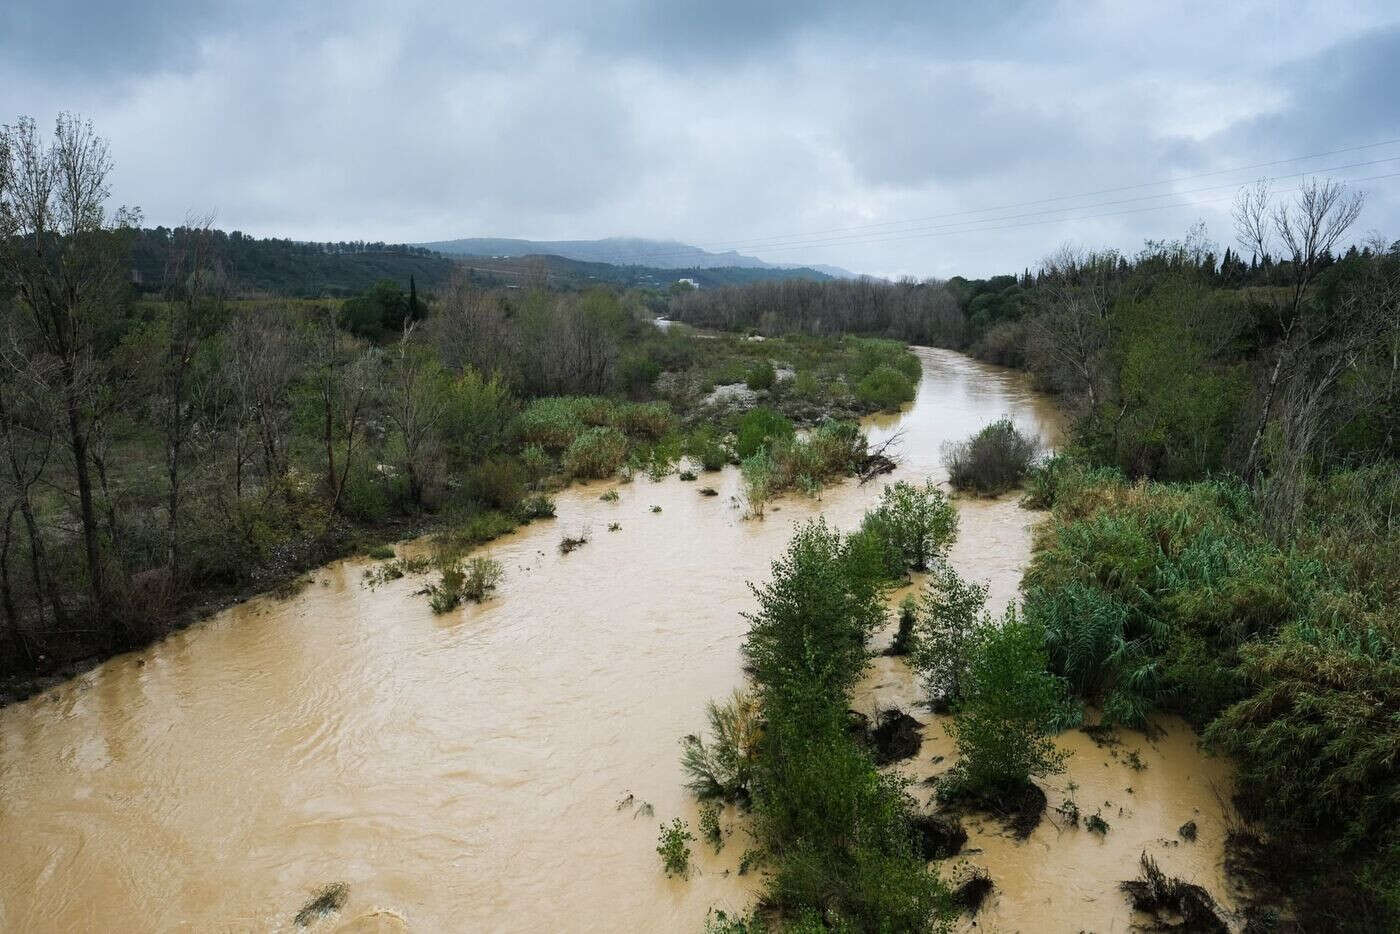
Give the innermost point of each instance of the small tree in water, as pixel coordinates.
(954, 613)
(1011, 705)
(916, 524)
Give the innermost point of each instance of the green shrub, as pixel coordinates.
(903, 642)
(382, 552)
(650, 420)
(497, 483)
(705, 445)
(758, 428)
(917, 524)
(993, 461)
(885, 388)
(476, 530)
(723, 770)
(953, 616)
(470, 580)
(760, 376)
(596, 453)
(534, 507)
(673, 846)
(1010, 708)
(553, 423)
(710, 829)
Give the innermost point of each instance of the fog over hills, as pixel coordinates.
(621, 251)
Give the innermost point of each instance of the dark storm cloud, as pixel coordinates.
(723, 123)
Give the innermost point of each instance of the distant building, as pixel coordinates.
(690, 282)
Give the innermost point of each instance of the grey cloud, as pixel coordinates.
(707, 122)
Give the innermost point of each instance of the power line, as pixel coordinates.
(973, 230)
(773, 242)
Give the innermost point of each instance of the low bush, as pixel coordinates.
(381, 552)
(534, 507)
(885, 388)
(673, 846)
(707, 448)
(952, 617)
(916, 524)
(760, 376)
(723, 769)
(595, 454)
(994, 460)
(758, 428)
(471, 580)
(1011, 706)
(497, 483)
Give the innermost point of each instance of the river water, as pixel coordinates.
(463, 772)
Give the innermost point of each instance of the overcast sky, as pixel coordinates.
(866, 135)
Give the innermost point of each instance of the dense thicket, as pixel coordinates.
(916, 312)
(273, 266)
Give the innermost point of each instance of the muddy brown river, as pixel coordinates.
(462, 772)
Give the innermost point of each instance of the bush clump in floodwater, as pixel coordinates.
(723, 769)
(571, 543)
(461, 580)
(328, 901)
(994, 460)
(953, 614)
(673, 846)
(885, 388)
(1010, 708)
(831, 450)
(973, 891)
(835, 830)
(1173, 904)
(912, 526)
(595, 454)
(903, 642)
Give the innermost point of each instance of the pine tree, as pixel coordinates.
(412, 299)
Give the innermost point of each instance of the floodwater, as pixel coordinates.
(504, 767)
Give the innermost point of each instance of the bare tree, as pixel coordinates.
(194, 291)
(417, 402)
(1072, 331)
(64, 265)
(1304, 233)
(346, 382)
(261, 357)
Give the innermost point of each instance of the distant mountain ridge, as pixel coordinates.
(621, 251)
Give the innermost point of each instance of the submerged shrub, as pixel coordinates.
(758, 428)
(917, 524)
(954, 614)
(596, 453)
(706, 447)
(534, 507)
(993, 461)
(1010, 708)
(673, 846)
(723, 769)
(463, 580)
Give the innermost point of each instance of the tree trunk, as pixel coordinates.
(77, 442)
